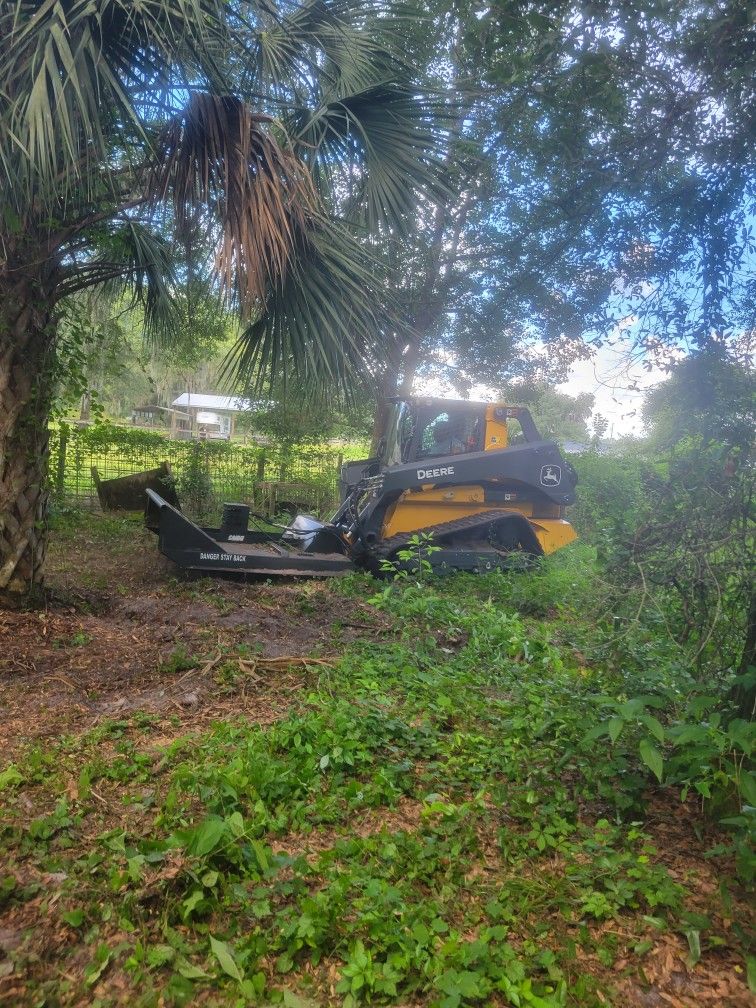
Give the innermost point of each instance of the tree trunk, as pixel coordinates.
(391, 385)
(409, 367)
(26, 348)
(387, 387)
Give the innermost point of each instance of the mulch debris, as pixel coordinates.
(108, 648)
(109, 652)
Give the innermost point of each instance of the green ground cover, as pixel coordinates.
(452, 816)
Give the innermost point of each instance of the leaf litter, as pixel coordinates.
(138, 688)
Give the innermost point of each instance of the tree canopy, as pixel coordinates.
(602, 172)
(146, 145)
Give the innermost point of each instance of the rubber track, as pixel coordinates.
(386, 547)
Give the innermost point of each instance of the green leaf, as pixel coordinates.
(10, 777)
(292, 1000)
(654, 726)
(694, 945)
(97, 967)
(658, 702)
(73, 917)
(748, 786)
(191, 902)
(236, 824)
(284, 963)
(596, 732)
(223, 953)
(159, 955)
(207, 836)
(190, 972)
(742, 734)
(616, 724)
(690, 733)
(751, 973)
(652, 758)
(632, 708)
(260, 854)
(460, 983)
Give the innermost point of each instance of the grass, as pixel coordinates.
(429, 826)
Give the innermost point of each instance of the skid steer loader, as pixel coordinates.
(454, 469)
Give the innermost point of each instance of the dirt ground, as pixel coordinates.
(126, 631)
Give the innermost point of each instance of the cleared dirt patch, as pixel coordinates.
(125, 633)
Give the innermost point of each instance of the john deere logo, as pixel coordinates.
(551, 475)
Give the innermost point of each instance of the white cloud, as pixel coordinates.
(618, 376)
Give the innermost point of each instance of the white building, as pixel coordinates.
(199, 415)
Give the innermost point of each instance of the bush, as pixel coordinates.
(609, 499)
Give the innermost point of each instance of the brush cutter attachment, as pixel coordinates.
(230, 548)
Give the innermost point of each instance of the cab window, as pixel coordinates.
(450, 433)
(406, 434)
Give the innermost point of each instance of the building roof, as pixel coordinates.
(574, 447)
(581, 447)
(152, 408)
(199, 400)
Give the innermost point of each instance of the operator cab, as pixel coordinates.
(433, 428)
(425, 428)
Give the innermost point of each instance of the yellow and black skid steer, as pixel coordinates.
(477, 477)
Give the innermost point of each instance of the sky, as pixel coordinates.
(618, 375)
(617, 378)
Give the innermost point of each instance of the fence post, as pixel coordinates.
(60, 473)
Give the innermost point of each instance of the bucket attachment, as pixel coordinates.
(126, 493)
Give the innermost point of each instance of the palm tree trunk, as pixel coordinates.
(26, 345)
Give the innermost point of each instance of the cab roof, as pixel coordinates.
(440, 401)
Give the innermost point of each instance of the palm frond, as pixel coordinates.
(130, 258)
(380, 147)
(218, 155)
(314, 44)
(371, 136)
(150, 277)
(74, 76)
(323, 324)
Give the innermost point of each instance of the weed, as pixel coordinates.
(429, 823)
(179, 661)
(414, 558)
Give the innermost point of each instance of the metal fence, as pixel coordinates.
(269, 477)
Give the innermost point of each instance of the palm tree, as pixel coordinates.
(269, 133)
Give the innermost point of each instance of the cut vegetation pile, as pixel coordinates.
(353, 793)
